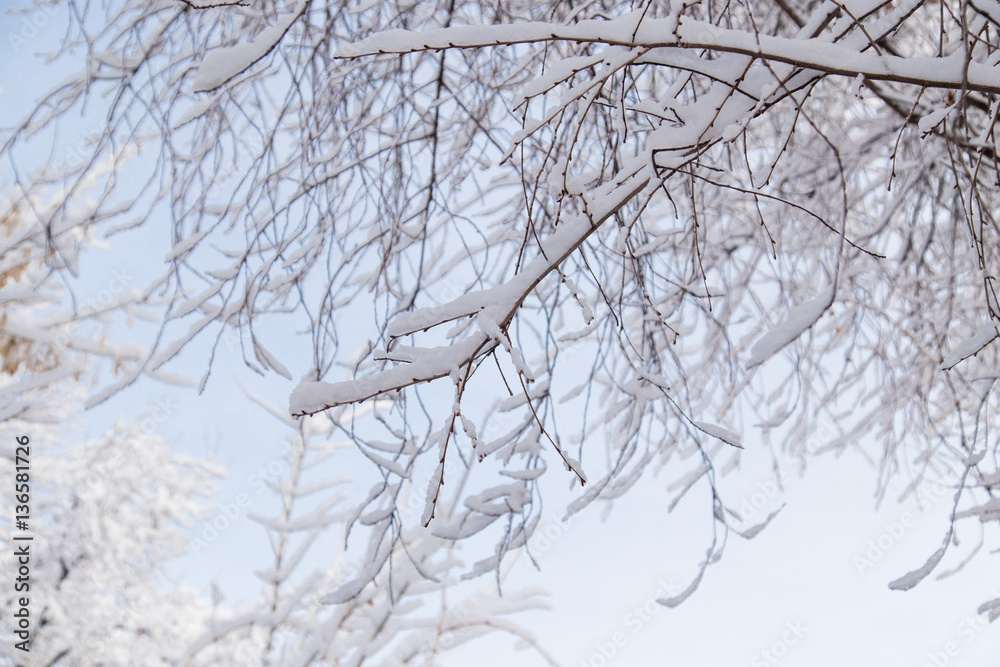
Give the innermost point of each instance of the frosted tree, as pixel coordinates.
(610, 238)
(48, 336)
(105, 515)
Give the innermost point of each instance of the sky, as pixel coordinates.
(811, 589)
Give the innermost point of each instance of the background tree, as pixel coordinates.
(105, 516)
(49, 338)
(629, 212)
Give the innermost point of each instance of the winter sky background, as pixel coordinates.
(802, 590)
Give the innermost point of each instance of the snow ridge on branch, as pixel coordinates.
(497, 305)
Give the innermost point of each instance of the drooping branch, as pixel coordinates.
(496, 305)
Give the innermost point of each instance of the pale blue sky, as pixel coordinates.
(799, 579)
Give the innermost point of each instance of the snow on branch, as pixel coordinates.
(970, 346)
(498, 305)
(222, 65)
(841, 58)
(800, 319)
